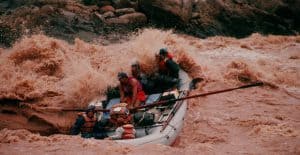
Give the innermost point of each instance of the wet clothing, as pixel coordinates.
(168, 74)
(169, 68)
(127, 89)
(88, 128)
(126, 131)
(147, 83)
(142, 78)
(88, 125)
(140, 96)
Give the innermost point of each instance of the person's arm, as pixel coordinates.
(118, 134)
(122, 96)
(75, 130)
(134, 84)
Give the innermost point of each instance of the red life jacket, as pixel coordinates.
(127, 88)
(128, 131)
(88, 125)
(162, 64)
(169, 56)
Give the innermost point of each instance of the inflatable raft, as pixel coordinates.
(168, 118)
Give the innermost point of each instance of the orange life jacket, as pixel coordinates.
(128, 131)
(88, 125)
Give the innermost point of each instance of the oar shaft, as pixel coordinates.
(179, 99)
(222, 91)
(198, 95)
(80, 110)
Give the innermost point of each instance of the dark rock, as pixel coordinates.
(47, 9)
(195, 15)
(240, 18)
(4, 5)
(123, 11)
(202, 18)
(89, 2)
(35, 10)
(98, 18)
(16, 3)
(117, 21)
(106, 9)
(182, 9)
(59, 24)
(8, 35)
(135, 17)
(123, 3)
(108, 14)
(68, 15)
(104, 3)
(132, 18)
(87, 35)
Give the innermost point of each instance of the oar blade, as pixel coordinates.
(194, 82)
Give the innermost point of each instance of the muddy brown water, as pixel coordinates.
(40, 74)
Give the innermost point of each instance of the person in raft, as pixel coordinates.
(168, 70)
(121, 118)
(131, 91)
(87, 124)
(147, 84)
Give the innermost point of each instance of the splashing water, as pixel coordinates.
(42, 72)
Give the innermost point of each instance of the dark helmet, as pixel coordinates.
(136, 64)
(163, 51)
(122, 75)
(90, 108)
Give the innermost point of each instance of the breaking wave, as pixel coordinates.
(41, 74)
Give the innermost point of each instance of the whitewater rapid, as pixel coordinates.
(41, 74)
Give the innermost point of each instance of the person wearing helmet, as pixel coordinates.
(166, 65)
(136, 72)
(86, 124)
(168, 70)
(131, 91)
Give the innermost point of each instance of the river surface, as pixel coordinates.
(40, 75)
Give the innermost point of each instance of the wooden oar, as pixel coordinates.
(157, 103)
(197, 95)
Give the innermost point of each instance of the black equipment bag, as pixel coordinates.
(168, 97)
(143, 118)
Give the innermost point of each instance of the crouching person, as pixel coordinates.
(122, 120)
(86, 124)
(168, 71)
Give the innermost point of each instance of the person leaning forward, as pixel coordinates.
(168, 71)
(147, 84)
(85, 123)
(131, 90)
(166, 65)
